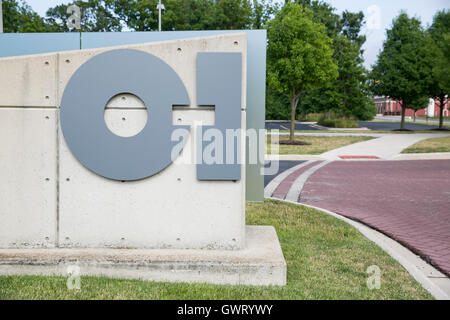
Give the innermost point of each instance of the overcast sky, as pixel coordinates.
(379, 15)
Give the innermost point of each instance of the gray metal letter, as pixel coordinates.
(82, 113)
(219, 83)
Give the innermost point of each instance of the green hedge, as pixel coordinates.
(337, 123)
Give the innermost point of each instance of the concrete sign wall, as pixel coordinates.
(52, 199)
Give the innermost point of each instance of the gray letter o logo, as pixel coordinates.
(82, 113)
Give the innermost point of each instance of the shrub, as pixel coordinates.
(337, 123)
(311, 117)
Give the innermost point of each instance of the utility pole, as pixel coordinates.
(160, 7)
(1, 17)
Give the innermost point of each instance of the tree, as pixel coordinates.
(276, 105)
(350, 86)
(323, 13)
(19, 17)
(348, 95)
(420, 103)
(350, 25)
(404, 67)
(96, 16)
(233, 14)
(440, 84)
(442, 68)
(299, 55)
(352, 74)
(262, 13)
(141, 15)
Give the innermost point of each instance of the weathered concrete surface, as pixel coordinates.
(261, 262)
(29, 81)
(76, 208)
(28, 177)
(81, 209)
(180, 55)
(171, 209)
(125, 115)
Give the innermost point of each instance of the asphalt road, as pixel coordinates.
(374, 125)
(283, 165)
(287, 126)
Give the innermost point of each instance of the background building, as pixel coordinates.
(390, 107)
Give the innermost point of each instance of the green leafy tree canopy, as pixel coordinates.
(299, 54)
(439, 32)
(96, 16)
(142, 15)
(19, 17)
(404, 67)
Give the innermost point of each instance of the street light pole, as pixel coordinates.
(1, 17)
(159, 16)
(160, 7)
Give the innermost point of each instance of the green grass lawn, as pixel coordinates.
(326, 259)
(319, 144)
(430, 145)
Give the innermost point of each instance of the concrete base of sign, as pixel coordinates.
(261, 262)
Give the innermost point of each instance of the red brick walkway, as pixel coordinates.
(407, 200)
(283, 188)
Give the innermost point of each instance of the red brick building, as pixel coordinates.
(387, 106)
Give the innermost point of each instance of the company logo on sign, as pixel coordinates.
(219, 83)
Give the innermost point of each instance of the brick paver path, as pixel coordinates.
(407, 200)
(283, 188)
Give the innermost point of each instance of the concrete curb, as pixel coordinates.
(331, 134)
(415, 266)
(423, 156)
(403, 156)
(297, 186)
(291, 157)
(275, 182)
(347, 129)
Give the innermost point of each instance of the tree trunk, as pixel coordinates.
(292, 131)
(415, 115)
(402, 123)
(441, 111)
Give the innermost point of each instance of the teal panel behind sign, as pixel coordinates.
(20, 44)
